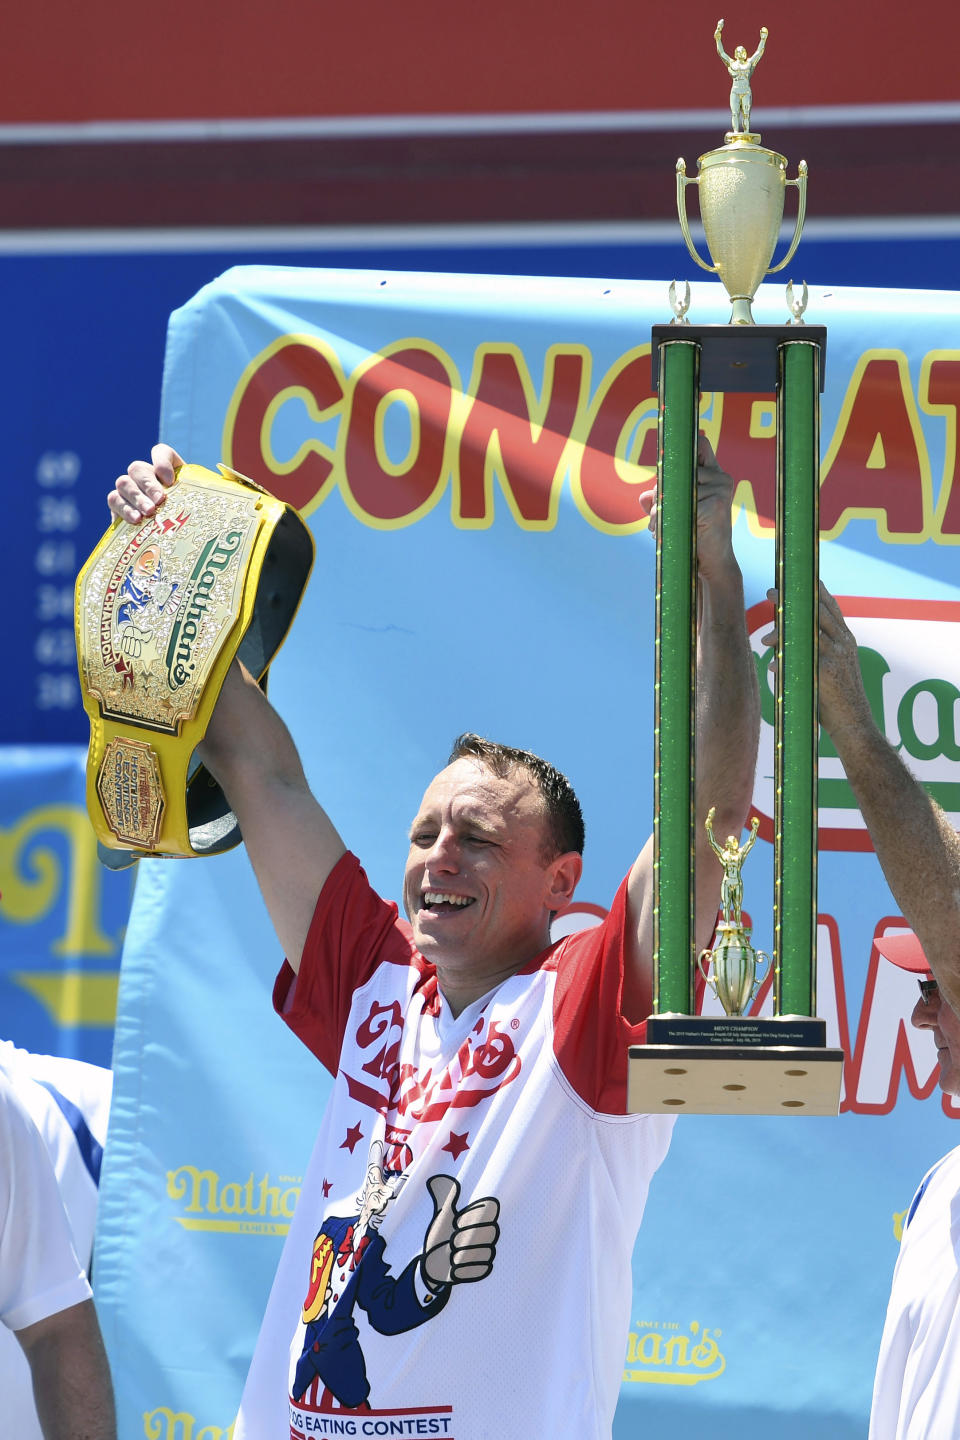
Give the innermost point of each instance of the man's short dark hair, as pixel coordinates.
(564, 816)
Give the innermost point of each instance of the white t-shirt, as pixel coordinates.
(916, 1393)
(40, 1274)
(68, 1102)
(516, 1106)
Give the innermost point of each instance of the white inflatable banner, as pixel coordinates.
(468, 451)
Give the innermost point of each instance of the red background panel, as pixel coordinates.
(195, 59)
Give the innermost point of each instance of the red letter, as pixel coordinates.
(608, 497)
(943, 396)
(498, 436)
(875, 467)
(380, 493)
(294, 365)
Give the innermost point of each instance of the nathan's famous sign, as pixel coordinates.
(910, 662)
(401, 432)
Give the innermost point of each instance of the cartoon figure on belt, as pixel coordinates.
(144, 587)
(348, 1268)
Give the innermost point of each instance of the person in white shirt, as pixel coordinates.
(45, 1297)
(916, 1392)
(69, 1102)
(917, 1386)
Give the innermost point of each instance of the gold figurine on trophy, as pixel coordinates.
(740, 68)
(734, 980)
(742, 190)
(731, 857)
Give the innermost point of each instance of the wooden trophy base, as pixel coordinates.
(734, 1065)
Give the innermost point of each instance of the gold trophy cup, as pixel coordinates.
(742, 189)
(734, 981)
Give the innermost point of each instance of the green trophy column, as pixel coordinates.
(675, 686)
(796, 720)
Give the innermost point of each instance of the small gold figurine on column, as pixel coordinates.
(734, 980)
(740, 68)
(731, 857)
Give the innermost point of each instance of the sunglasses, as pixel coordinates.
(928, 990)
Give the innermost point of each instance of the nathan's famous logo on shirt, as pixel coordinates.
(166, 1424)
(663, 1354)
(485, 1061)
(910, 662)
(242, 1207)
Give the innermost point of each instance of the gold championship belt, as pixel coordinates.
(162, 610)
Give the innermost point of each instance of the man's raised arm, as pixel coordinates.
(291, 842)
(918, 848)
(728, 724)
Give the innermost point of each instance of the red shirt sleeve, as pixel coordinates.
(352, 931)
(590, 1033)
(591, 1036)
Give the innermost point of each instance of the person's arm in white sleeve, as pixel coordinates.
(44, 1295)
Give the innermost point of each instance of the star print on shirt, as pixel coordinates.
(353, 1138)
(327, 1187)
(457, 1144)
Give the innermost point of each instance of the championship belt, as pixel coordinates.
(162, 610)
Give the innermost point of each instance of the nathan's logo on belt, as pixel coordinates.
(214, 558)
(155, 611)
(241, 1207)
(664, 1355)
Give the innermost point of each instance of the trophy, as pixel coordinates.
(737, 1063)
(742, 187)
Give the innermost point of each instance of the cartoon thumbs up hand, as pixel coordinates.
(459, 1244)
(132, 639)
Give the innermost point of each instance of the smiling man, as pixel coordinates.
(489, 851)
(480, 1069)
(916, 1392)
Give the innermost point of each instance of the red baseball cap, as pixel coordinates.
(905, 950)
